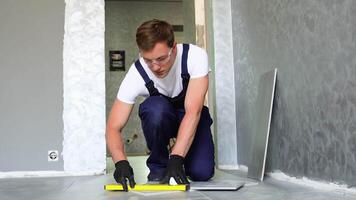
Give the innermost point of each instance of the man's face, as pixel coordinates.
(160, 59)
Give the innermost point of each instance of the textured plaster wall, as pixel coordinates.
(313, 45)
(122, 20)
(84, 86)
(224, 85)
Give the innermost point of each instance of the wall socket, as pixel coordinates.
(52, 155)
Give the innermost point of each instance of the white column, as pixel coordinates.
(84, 87)
(225, 85)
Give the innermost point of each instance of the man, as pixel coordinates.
(174, 78)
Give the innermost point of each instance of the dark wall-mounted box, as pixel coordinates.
(117, 60)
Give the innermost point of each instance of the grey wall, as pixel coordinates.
(189, 21)
(312, 43)
(31, 102)
(122, 19)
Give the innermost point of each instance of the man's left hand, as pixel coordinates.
(175, 169)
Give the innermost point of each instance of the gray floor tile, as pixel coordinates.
(91, 187)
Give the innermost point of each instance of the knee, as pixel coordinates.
(200, 173)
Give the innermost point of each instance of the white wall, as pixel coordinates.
(224, 85)
(84, 86)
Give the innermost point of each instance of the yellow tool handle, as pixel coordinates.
(148, 187)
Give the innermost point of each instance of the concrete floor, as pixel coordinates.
(91, 187)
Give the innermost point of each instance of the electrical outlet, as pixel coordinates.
(52, 155)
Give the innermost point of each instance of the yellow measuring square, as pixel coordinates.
(148, 187)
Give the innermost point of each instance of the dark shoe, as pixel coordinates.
(154, 177)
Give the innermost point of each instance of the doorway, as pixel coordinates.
(122, 17)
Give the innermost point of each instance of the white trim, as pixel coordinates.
(242, 168)
(40, 174)
(228, 167)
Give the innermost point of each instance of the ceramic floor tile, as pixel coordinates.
(92, 187)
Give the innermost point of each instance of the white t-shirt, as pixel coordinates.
(133, 84)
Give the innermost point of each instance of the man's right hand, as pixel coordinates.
(175, 169)
(122, 172)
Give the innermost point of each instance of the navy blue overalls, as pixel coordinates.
(160, 118)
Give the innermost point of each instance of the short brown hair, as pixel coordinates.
(153, 31)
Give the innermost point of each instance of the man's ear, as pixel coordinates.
(175, 47)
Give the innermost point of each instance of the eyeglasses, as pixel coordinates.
(158, 61)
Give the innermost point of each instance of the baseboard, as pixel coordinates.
(228, 167)
(40, 174)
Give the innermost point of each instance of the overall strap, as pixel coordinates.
(148, 82)
(185, 75)
(178, 101)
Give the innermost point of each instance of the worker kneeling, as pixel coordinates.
(174, 79)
